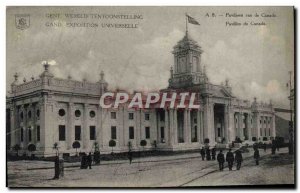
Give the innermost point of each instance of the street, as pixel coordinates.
(159, 171)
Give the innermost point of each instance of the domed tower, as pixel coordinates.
(187, 70)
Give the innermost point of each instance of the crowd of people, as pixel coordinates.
(230, 157)
(206, 153)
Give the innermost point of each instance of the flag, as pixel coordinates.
(192, 20)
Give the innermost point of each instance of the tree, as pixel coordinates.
(17, 148)
(96, 153)
(96, 146)
(143, 143)
(55, 147)
(76, 145)
(31, 147)
(112, 144)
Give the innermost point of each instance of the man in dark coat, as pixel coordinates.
(238, 159)
(130, 156)
(89, 160)
(208, 157)
(213, 153)
(265, 147)
(221, 160)
(256, 156)
(202, 152)
(83, 161)
(230, 159)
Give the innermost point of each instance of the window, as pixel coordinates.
(92, 132)
(38, 133)
(130, 116)
(38, 113)
(113, 115)
(29, 134)
(265, 131)
(21, 116)
(77, 113)
(195, 120)
(131, 132)
(269, 132)
(61, 112)
(113, 132)
(147, 132)
(92, 114)
(29, 114)
(77, 132)
(22, 135)
(62, 132)
(162, 116)
(147, 116)
(162, 132)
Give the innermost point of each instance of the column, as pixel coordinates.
(201, 126)
(185, 125)
(85, 127)
(158, 127)
(198, 126)
(137, 129)
(226, 123)
(212, 129)
(70, 126)
(34, 129)
(13, 130)
(175, 129)
(189, 128)
(99, 127)
(231, 126)
(240, 125)
(166, 126)
(249, 127)
(171, 130)
(42, 125)
(25, 129)
(273, 127)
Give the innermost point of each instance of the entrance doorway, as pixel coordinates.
(219, 122)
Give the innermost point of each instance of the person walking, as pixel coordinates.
(213, 153)
(238, 159)
(265, 147)
(208, 157)
(256, 156)
(202, 152)
(221, 160)
(130, 156)
(230, 159)
(89, 160)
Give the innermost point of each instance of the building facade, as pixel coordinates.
(49, 110)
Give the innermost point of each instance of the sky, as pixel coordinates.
(255, 59)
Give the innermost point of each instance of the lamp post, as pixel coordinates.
(291, 125)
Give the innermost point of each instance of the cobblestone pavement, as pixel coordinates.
(159, 171)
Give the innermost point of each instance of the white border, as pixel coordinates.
(5, 3)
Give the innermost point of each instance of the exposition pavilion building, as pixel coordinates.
(49, 110)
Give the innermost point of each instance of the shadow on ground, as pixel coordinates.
(278, 159)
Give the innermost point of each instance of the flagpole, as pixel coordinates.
(186, 24)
